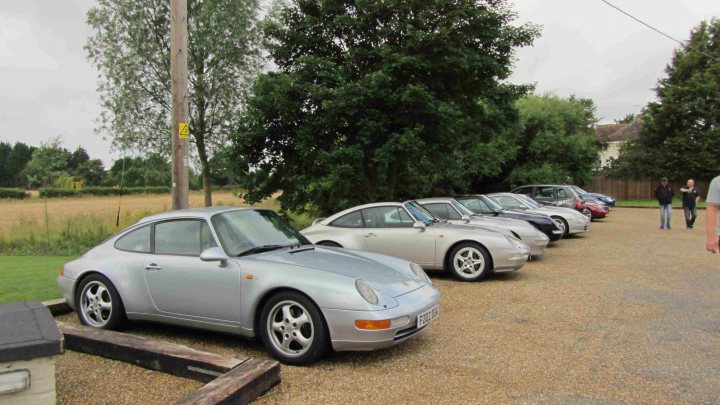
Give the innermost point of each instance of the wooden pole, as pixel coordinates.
(179, 91)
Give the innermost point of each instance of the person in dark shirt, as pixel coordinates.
(690, 197)
(664, 193)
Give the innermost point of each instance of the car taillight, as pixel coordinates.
(578, 204)
(62, 270)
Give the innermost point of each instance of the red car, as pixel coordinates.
(596, 211)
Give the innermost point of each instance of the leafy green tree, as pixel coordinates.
(14, 164)
(556, 141)
(380, 100)
(130, 48)
(5, 151)
(48, 163)
(680, 137)
(92, 172)
(153, 170)
(627, 119)
(77, 158)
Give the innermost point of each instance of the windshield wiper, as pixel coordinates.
(265, 248)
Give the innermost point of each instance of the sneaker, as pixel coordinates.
(669, 229)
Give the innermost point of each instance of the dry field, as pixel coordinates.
(624, 314)
(15, 212)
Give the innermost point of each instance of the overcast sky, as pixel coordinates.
(47, 87)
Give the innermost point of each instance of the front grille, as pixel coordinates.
(406, 333)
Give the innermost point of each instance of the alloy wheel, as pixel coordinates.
(96, 304)
(290, 328)
(469, 262)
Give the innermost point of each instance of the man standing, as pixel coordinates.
(664, 193)
(713, 202)
(690, 197)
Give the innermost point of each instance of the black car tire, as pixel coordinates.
(318, 330)
(450, 264)
(92, 283)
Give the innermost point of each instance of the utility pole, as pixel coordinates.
(179, 90)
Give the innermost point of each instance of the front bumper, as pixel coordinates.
(510, 260)
(346, 337)
(577, 226)
(537, 246)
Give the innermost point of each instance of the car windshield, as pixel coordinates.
(579, 190)
(463, 209)
(492, 204)
(420, 213)
(252, 231)
(510, 202)
(529, 202)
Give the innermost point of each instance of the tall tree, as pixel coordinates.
(15, 163)
(130, 47)
(5, 151)
(139, 171)
(680, 137)
(380, 100)
(556, 141)
(48, 163)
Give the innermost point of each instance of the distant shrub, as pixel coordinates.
(102, 191)
(13, 193)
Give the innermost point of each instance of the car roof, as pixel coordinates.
(434, 200)
(204, 212)
(333, 217)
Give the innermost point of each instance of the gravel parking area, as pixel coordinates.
(624, 314)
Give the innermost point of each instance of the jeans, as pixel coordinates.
(690, 216)
(665, 210)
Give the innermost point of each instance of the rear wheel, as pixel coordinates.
(293, 329)
(98, 303)
(469, 262)
(329, 243)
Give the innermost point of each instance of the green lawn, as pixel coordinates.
(29, 278)
(677, 203)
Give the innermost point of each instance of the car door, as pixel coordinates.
(389, 230)
(545, 195)
(180, 284)
(564, 197)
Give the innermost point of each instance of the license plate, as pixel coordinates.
(428, 316)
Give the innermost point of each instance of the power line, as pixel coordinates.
(657, 30)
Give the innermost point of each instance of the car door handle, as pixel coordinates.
(370, 235)
(153, 267)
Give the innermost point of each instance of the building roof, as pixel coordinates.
(619, 132)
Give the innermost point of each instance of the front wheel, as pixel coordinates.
(469, 262)
(563, 225)
(293, 329)
(98, 303)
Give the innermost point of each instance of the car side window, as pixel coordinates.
(561, 193)
(179, 237)
(443, 210)
(524, 190)
(135, 241)
(386, 217)
(207, 240)
(546, 192)
(476, 205)
(351, 220)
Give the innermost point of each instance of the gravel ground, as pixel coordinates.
(624, 314)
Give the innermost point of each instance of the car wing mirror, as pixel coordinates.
(419, 225)
(214, 254)
(466, 218)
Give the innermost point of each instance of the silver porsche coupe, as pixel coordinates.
(245, 271)
(570, 220)
(452, 211)
(409, 231)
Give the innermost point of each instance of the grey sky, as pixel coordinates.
(47, 87)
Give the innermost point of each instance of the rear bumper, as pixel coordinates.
(345, 336)
(66, 288)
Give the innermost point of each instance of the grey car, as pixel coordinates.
(409, 231)
(570, 220)
(247, 272)
(452, 211)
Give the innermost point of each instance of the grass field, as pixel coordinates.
(677, 203)
(79, 223)
(24, 278)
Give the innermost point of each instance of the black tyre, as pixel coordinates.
(329, 243)
(98, 303)
(293, 329)
(469, 262)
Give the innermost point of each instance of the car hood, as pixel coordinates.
(348, 263)
(495, 229)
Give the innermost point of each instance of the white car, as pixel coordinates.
(573, 221)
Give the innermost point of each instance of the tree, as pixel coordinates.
(15, 163)
(152, 170)
(48, 163)
(5, 151)
(379, 100)
(556, 141)
(627, 119)
(680, 137)
(77, 158)
(130, 48)
(92, 172)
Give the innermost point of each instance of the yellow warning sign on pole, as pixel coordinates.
(184, 131)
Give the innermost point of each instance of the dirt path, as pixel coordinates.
(624, 314)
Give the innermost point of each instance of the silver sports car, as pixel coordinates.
(409, 231)
(456, 213)
(572, 221)
(246, 271)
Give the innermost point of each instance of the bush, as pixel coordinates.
(13, 193)
(102, 191)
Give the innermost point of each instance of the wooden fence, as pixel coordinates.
(635, 189)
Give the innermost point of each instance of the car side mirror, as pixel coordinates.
(214, 254)
(466, 218)
(419, 225)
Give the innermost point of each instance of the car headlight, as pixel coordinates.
(366, 291)
(420, 273)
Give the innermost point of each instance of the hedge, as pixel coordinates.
(13, 193)
(102, 191)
